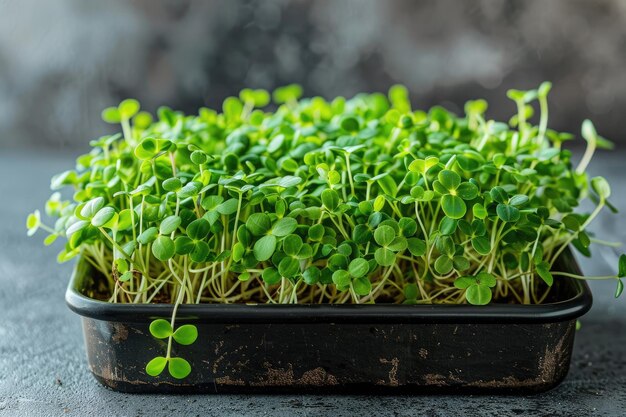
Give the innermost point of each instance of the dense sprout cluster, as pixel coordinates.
(344, 201)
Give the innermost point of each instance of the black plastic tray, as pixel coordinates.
(383, 348)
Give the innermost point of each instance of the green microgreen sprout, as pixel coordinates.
(358, 200)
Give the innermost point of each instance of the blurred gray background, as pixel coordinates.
(63, 61)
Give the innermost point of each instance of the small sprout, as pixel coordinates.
(184, 335)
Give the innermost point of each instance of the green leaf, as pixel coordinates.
(76, 227)
(398, 244)
(33, 221)
(311, 275)
(184, 245)
(198, 229)
(481, 244)
(186, 334)
(316, 232)
(284, 226)
(447, 226)
(103, 216)
(507, 213)
(543, 270)
(238, 251)
(518, 200)
(544, 89)
(411, 291)
(148, 235)
(179, 368)
(350, 124)
(287, 93)
(128, 108)
(461, 263)
(258, 224)
(160, 329)
(276, 143)
(200, 251)
(571, 222)
(453, 206)
(467, 191)
(408, 226)
(485, 278)
(50, 239)
(264, 248)
(384, 235)
(388, 185)
(358, 267)
(449, 179)
(289, 267)
(271, 276)
(498, 195)
(292, 245)
(445, 245)
(126, 276)
(92, 207)
(156, 366)
(169, 224)
(478, 295)
(443, 265)
(111, 115)
(479, 211)
(399, 97)
(146, 149)
(362, 286)
(384, 257)
(142, 120)
(330, 199)
(125, 220)
(463, 283)
(621, 269)
(228, 207)
(211, 202)
(601, 187)
(515, 95)
(198, 157)
(121, 265)
(379, 203)
(232, 108)
(619, 289)
(191, 189)
(163, 248)
(589, 131)
(341, 278)
(416, 246)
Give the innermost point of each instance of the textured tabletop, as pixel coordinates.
(43, 371)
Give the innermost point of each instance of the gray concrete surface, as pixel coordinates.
(43, 370)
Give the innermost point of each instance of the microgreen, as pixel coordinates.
(317, 201)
